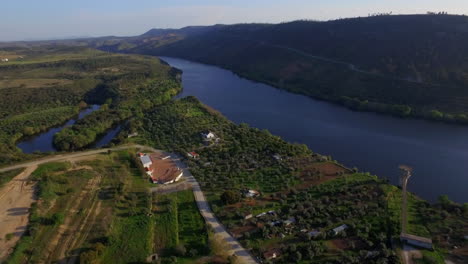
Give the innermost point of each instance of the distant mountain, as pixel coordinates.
(405, 65)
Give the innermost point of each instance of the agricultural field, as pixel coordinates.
(180, 230)
(103, 200)
(301, 196)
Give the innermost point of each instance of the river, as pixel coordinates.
(375, 143)
(44, 142)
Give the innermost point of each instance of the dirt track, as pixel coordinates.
(16, 198)
(24, 195)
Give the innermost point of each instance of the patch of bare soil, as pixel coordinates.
(73, 223)
(16, 198)
(241, 230)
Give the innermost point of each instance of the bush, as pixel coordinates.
(230, 197)
(180, 250)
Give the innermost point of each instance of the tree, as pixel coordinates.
(444, 201)
(230, 197)
(436, 115)
(180, 250)
(465, 209)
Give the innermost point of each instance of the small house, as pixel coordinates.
(340, 229)
(193, 155)
(132, 135)
(208, 135)
(290, 221)
(251, 193)
(248, 216)
(4, 60)
(418, 241)
(272, 254)
(261, 214)
(277, 157)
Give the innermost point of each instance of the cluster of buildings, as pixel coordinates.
(160, 169)
(4, 60)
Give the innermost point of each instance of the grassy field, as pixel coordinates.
(179, 227)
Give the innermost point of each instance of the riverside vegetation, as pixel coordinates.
(47, 85)
(403, 65)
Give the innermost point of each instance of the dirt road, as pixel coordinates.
(71, 156)
(16, 198)
(18, 192)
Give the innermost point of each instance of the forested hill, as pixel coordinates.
(405, 65)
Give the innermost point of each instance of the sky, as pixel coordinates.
(52, 19)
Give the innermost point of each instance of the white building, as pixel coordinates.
(416, 240)
(209, 135)
(145, 161)
(340, 229)
(4, 60)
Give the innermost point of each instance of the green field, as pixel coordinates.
(178, 224)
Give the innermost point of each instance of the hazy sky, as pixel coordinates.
(46, 19)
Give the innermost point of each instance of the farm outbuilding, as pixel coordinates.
(418, 241)
(340, 229)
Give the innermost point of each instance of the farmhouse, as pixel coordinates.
(164, 170)
(339, 229)
(416, 241)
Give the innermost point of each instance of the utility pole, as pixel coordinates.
(406, 174)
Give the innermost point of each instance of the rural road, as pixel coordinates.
(64, 157)
(205, 210)
(236, 248)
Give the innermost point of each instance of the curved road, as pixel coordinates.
(205, 210)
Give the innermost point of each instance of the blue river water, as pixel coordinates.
(375, 143)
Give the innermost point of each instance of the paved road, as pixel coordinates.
(236, 248)
(205, 210)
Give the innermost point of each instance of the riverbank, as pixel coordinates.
(371, 142)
